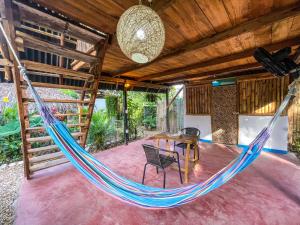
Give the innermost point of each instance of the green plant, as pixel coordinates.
(150, 116)
(70, 93)
(150, 122)
(9, 114)
(10, 148)
(100, 129)
(111, 102)
(151, 97)
(135, 104)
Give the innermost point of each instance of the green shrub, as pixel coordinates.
(9, 114)
(10, 148)
(111, 102)
(101, 128)
(150, 122)
(70, 93)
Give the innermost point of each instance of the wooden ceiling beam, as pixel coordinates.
(224, 59)
(247, 26)
(160, 6)
(30, 65)
(45, 68)
(132, 82)
(41, 45)
(250, 75)
(215, 73)
(27, 13)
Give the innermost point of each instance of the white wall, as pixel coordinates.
(203, 123)
(250, 126)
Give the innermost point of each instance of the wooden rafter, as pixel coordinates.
(30, 65)
(27, 13)
(214, 73)
(44, 69)
(44, 46)
(248, 26)
(223, 59)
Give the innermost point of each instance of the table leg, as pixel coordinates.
(196, 153)
(186, 163)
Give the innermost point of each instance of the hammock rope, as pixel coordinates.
(132, 192)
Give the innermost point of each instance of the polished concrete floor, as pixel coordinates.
(267, 192)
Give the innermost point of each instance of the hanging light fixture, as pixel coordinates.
(141, 33)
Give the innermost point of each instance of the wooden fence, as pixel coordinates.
(198, 99)
(261, 96)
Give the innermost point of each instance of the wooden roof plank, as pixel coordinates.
(247, 26)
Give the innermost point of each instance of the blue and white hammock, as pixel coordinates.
(132, 192)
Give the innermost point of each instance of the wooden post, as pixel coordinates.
(8, 24)
(96, 69)
(167, 111)
(125, 111)
(61, 58)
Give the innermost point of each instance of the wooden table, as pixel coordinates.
(188, 139)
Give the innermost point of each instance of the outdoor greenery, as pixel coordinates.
(101, 127)
(9, 114)
(150, 116)
(10, 145)
(106, 125)
(111, 102)
(10, 148)
(70, 93)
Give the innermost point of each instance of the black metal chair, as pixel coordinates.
(189, 131)
(161, 161)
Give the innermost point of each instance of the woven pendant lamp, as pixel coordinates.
(141, 33)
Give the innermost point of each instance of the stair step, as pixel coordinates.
(48, 164)
(27, 100)
(48, 138)
(45, 157)
(42, 128)
(43, 149)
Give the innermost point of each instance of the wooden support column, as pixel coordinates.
(8, 24)
(167, 111)
(96, 69)
(125, 111)
(61, 58)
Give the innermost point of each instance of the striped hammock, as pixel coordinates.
(132, 192)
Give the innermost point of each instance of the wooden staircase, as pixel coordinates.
(39, 151)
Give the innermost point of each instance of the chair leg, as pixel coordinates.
(164, 178)
(179, 169)
(157, 170)
(183, 151)
(145, 167)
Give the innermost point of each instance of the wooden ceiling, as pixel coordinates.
(203, 37)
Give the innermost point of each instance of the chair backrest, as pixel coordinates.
(152, 154)
(191, 131)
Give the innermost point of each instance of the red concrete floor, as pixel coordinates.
(267, 192)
